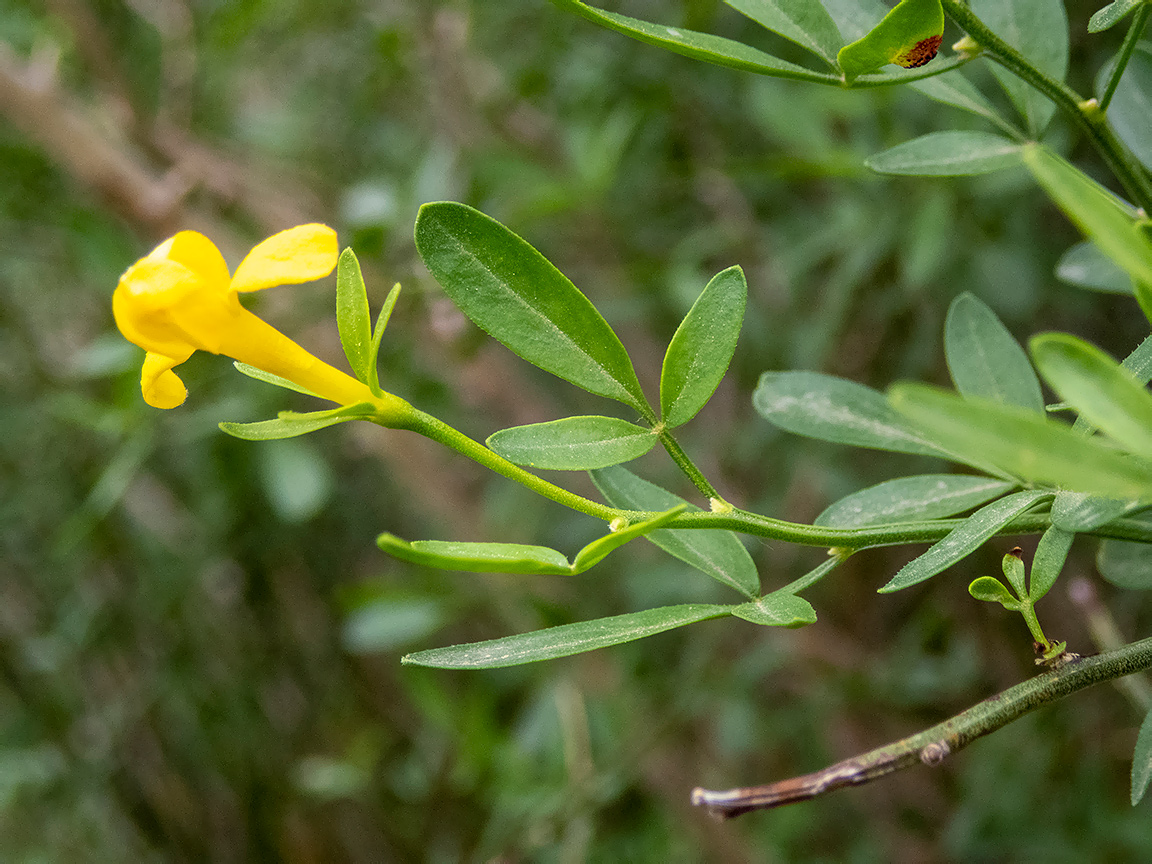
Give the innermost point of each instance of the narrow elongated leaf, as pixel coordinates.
(954, 89)
(948, 154)
(1038, 29)
(378, 336)
(352, 317)
(1130, 112)
(778, 609)
(269, 378)
(992, 590)
(514, 293)
(595, 551)
(909, 35)
(1051, 553)
(965, 538)
(1075, 511)
(565, 640)
(573, 443)
(1126, 565)
(1142, 760)
(477, 557)
(289, 424)
(834, 409)
(699, 46)
(1023, 443)
(1105, 394)
(907, 499)
(1086, 266)
(702, 347)
(1095, 211)
(806, 24)
(983, 358)
(720, 554)
(1110, 16)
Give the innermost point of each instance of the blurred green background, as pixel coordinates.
(199, 642)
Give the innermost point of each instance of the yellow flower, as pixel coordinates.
(180, 298)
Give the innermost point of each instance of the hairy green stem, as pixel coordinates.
(686, 465)
(1085, 114)
(933, 745)
(1135, 31)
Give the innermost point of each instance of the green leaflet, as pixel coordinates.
(805, 23)
(573, 443)
(948, 154)
(983, 358)
(1142, 760)
(352, 316)
(289, 424)
(1110, 16)
(907, 499)
(908, 36)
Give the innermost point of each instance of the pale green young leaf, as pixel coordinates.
(269, 378)
(352, 318)
(948, 154)
(595, 551)
(1051, 553)
(983, 358)
(1086, 266)
(1142, 760)
(720, 554)
(778, 609)
(516, 295)
(909, 36)
(965, 538)
(1094, 210)
(1110, 16)
(907, 499)
(805, 23)
(1013, 567)
(699, 46)
(289, 424)
(992, 590)
(573, 443)
(477, 557)
(1107, 395)
(1130, 111)
(378, 335)
(1022, 443)
(565, 640)
(835, 409)
(1038, 29)
(1126, 564)
(702, 347)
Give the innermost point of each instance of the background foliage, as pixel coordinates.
(198, 637)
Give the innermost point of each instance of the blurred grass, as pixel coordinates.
(198, 639)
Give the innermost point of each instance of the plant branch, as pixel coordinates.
(1084, 113)
(685, 464)
(932, 746)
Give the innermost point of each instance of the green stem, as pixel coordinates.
(686, 465)
(1135, 30)
(1085, 114)
(932, 746)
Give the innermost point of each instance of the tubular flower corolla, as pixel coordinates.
(180, 299)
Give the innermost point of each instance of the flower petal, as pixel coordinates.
(299, 254)
(144, 301)
(162, 388)
(198, 254)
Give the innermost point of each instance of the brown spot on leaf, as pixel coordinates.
(920, 53)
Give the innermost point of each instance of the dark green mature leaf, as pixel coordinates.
(565, 640)
(699, 46)
(289, 424)
(948, 154)
(720, 554)
(909, 35)
(907, 499)
(952, 88)
(1038, 29)
(516, 295)
(1104, 393)
(1125, 564)
(1086, 266)
(965, 538)
(806, 24)
(1110, 16)
(1142, 760)
(992, 590)
(778, 609)
(1130, 112)
(477, 557)
(702, 347)
(1051, 553)
(983, 358)
(1096, 212)
(835, 409)
(573, 443)
(352, 317)
(1022, 443)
